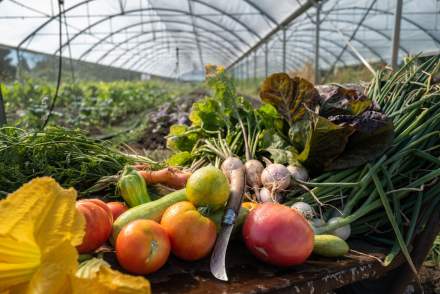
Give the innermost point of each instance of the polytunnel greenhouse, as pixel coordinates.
(241, 146)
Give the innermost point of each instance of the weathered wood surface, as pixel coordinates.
(248, 275)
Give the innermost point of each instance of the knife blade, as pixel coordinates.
(217, 264)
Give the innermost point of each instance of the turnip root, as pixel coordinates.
(298, 172)
(253, 170)
(267, 196)
(304, 209)
(230, 164)
(275, 177)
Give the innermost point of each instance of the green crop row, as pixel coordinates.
(90, 106)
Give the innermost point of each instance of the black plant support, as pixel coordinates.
(2, 108)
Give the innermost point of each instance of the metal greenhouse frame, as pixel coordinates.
(175, 39)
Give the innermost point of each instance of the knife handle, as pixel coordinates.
(238, 181)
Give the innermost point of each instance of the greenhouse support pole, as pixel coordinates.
(247, 70)
(317, 29)
(266, 60)
(255, 67)
(17, 70)
(396, 34)
(284, 49)
(295, 14)
(2, 108)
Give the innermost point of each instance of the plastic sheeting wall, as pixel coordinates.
(175, 38)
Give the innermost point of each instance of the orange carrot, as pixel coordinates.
(171, 177)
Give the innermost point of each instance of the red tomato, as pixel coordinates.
(117, 208)
(101, 204)
(278, 235)
(142, 247)
(192, 235)
(99, 222)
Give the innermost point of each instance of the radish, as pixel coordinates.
(275, 177)
(266, 196)
(230, 164)
(298, 172)
(253, 170)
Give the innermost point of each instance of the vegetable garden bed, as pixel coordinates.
(291, 179)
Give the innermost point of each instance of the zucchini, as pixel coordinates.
(152, 210)
(330, 246)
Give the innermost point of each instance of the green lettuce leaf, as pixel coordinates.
(268, 117)
(179, 159)
(179, 139)
(291, 97)
(299, 132)
(207, 114)
(284, 156)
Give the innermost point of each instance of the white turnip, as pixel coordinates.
(267, 196)
(275, 177)
(230, 164)
(298, 172)
(253, 169)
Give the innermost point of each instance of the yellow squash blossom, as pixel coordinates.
(95, 276)
(39, 230)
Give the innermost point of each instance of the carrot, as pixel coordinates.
(170, 177)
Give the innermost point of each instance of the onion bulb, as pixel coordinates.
(298, 172)
(275, 177)
(342, 232)
(304, 209)
(266, 196)
(316, 223)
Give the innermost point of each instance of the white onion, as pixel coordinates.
(304, 209)
(275, 177)
(342, 232)
(298, 172)
(265, 196)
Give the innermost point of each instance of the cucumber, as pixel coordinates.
(152, 210)
(217, 217)
(330, 246)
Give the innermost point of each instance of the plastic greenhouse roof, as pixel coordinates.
(174, 38)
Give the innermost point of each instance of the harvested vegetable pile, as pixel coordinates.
(70, 157)
(387, 195)
(373, 155)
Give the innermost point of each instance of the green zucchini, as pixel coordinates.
(330, 246)
(152, 210)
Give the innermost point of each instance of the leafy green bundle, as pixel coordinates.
(392, 199)
(66, 155)
(329, 127)
(324, 128)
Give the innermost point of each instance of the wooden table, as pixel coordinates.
(318, 275)
(248, 275)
